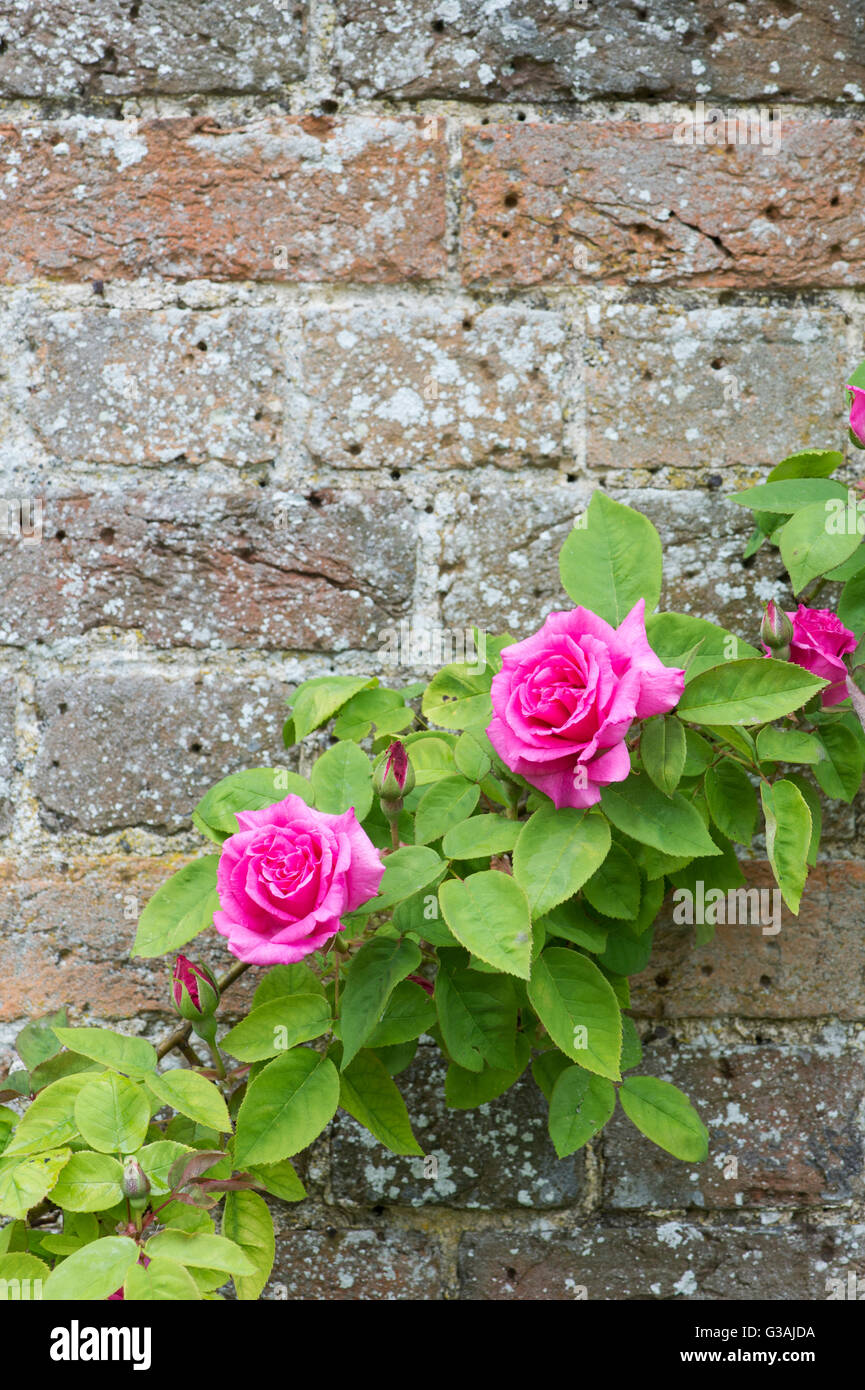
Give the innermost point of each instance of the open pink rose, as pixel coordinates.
(819, 642)
(287, 876)
(566, 697)
(857, 412)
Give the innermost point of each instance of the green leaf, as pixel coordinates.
(732, 801)
(840, 774)
(481, 836)
(281, 980)
(280, 1180)
(277, 1026)
(632, 1048)
(50, 1119)
(670, 824)
(466, 1090)
(317, 700)
(477, 1014)
(162, 1281)
(578, 1008)
(854, 565)
(663, 748)
(21, 1277)
(200, 1249)
(25, 1181)
(342, 778)
(628, 951)
(472, 756)
(816, 539)
(488, 913)
(93, 1272)
(556, 852)
(157, 1159)
(789, 495)
(179, 910)
(192, 1095)
(572, 922)
(287, 1106)
(251, 790)
(406, 871)
(458, 697)
(812, 800)
(612, 561)
(247, 1222)
(431, 755)
(37, 1041)
(112, 1114)
(366, 708)
(807, 463)
(851, 605)
(408, 1013)
(788, 837)
(372, 973)
(787, 746)
(672, 636)
(89, 1182)
(747, 692)
(580, 1106)
(135, 1056)
(369, 1095)
(444, 805)
(614, 888)
(665, 1116)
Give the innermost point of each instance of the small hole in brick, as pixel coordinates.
(717, 363)
(60, 535)
(107, 534)
(571, 477)
(429, 508)
(511, 199)
(714, 481)
(505, 234)
(662, 980)
(202, 346)
(772, 213)
(765, 981)
(707, 969)
(330, 1231)
(511, 1272)
(195, 747)
(834, 200)
(54, 762)
(62, 707)
(378, 1210)
(314, 499)
(355, 449)
(468, 323)
(438, 26)
(835, 249)
(395, 474)
(521, 115)
(330, 107)
(258, 414)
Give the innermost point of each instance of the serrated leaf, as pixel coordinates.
(286, 1107)
(369, 1095)
(179, 910)
(612, 561)
(578, 1008)
(558, 850)
(489, 914)
(664, 1115)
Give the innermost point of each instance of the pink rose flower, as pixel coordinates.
(566, 697)
(819, 642)
(857, 412)
(287, 876)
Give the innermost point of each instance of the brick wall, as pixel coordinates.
(324, 316)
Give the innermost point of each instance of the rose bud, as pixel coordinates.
(393, 779)
(776, 632)
(195, 993)
(857, 416)
(136, 1184)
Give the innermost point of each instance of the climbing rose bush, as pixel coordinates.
(478, 862)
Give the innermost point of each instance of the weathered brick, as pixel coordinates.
(148, 388)
(8, 750)
(499, 556)
(782, 1126)
(623, 202)
(108, 49)
(544, 50)
(661, 1260)
(712, 388)
(813, 967)
(359, 1266)
(135, 749)
(196, 568)
(66, 931)
(436, 385)
(278, 199)
(498, 1155)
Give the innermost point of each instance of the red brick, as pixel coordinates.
(195, 568)
(359, 199)
(647, 210)
(357, 1266)
(814, 966)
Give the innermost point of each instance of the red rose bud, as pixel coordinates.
(136, 1184)
(776, 632)
(394, 776)
(194, 991)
